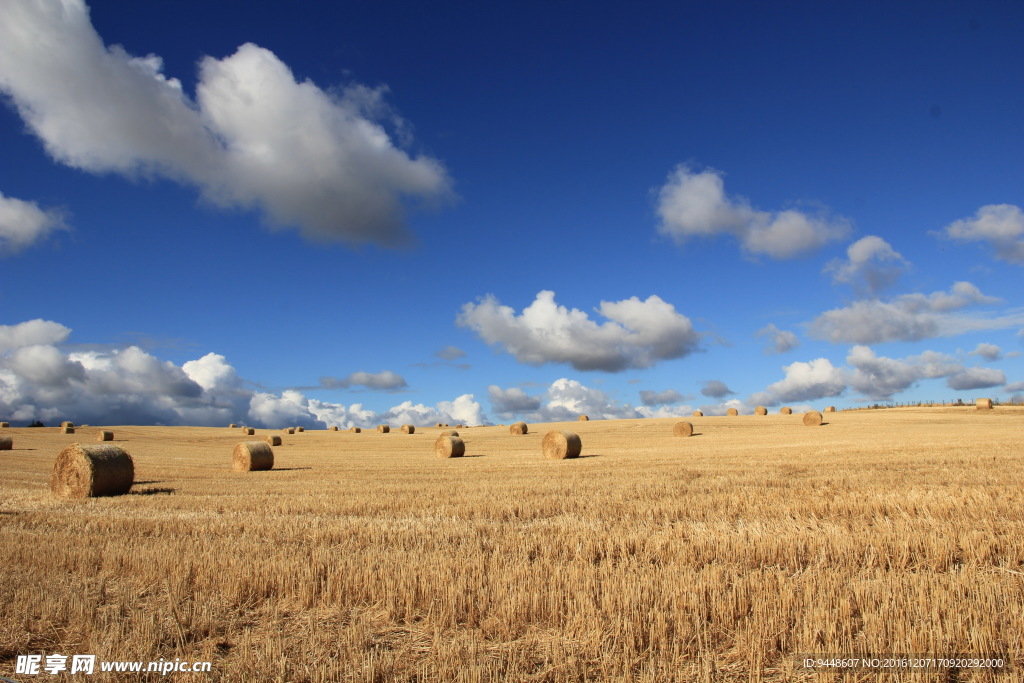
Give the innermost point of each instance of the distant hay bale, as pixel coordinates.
(383, 429)
(4, 425)
(354, 430)
(248, 431)
(448, 432)
(983, 404)
(273, 440)
(698, 413)
(67, 423)
(760, 410)
(582, 418)
(682, 429)
(449, 447)
(333, 428)
(459, 427)
(88, 471)
(559, 444)
(408, 429)
(105, 435)
(232, 426)
(830, 409)
(732, 412)
(812, 418)
(6, 443)
(250, 456)
(438, 424)
(290, 430)
(785, 411)
(300, 429)
(518, 428)
(67, 430)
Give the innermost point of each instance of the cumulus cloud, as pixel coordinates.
(871, 265)
(779, 341)
(23, 223)
(658, 398)
(1014, 388)
(637, 334)
(511, 401)
(694, 204)
(381, 381)
(715, 389)
(32, 332)
(566, 399)
(803, 382)
(253, 136)
(910, 317)
(1001, 226)
(879, 377)
(976, 378)
(989, 352)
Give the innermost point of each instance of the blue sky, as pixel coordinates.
(215, 212)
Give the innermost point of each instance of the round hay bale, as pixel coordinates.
(582, 418)
(67, 430)
(290, 430)
(383, 429)
(408, 429)
(355, 430)
(67, 423)
(698, 413)
(232, 426)
(518, 428)
(786, 410)
(459, 427)
(830, 409)
(732, 412)
(438, 424)
(682, 429)
(248, 431)
(983, 404)
(812, 418)
(273, 440)
(6, 443)
(559, 444)
(334, 428)
(5, 424)
(449, 447)
(448, 432)
(300, 429)
(250, 456)
(88, 471)
(760, 410)
(105, 435)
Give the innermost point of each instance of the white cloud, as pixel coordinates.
(212, 372)
(695, 204)
(31, 332)
(781, 341)
(976, 378)
(871, 265)
(511, 401)
(638, 333)
(910, 317)
(566, 399)
(989, 352)
(879, 377)
(382, 381)
(253, 137)
(1014, 388)
(715, 388)
(1000, 225)
(803, 382)
(657, 398)
(23, 223)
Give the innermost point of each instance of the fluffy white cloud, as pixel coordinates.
(31, 332)
(638, 333)
(566, 399)
(658, 398)
(715, 388)
(871, 265)
(382, 381)
(976, 378)
(879, 377)
(780, 341)
(1000, 225)
(695, 204)
(910, 317)
(23, 223)
(989, 352)
(803, 382)
(511, 401)
(1014, 388)
(212, 371)
(253, 137)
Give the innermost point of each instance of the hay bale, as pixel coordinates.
(559, 444)
(732, 412)
(250, 456)
(333, 428)
(438, 424)
(698, 413)
(983, 404)
(459, 427)
(67, 423)
(408, 429)
(830, 409)
(785, 410)
(582, 418)
(683, 428)
(105, 435)
(383, 429)
(449, 447)
(354, 430)
(4, 425)
(760, 410)
(232, 426)
(248, 431)
(88, 471)
(67, 430)
(300, 429)
(290, 430)
(273, 440)
(6, 443)
(448, 432)
(812, 418)
(519, 428)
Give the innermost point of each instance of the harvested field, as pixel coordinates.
(649, 558)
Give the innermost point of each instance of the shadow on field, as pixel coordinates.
(288, 469)
(149, 481)
(478, 455)
(151, 492)
(592, 455)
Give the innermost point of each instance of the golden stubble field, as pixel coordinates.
(363, 557)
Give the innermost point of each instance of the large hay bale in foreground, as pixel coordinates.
(67, 430)
(273, 440)
(698, 413)
(683, 428)
(250, 456)
(383, 429)
(518, 428)
(105, 435)
(732, 412)
(408, 429)
(559, 444)
(88, 471)
(760, 410)
(830, 409)
(248, 431)
(983, 404)
(355, 430)
(449, 447)
(812, 418)
(582, 418)
(6, 443)
(785, 410)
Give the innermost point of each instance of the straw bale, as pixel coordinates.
(408, 429)
(273, 440)
(732, 412)
(105, 435)
(683, 428)
(518, 428)
(983, 404)
(383, 429)
(812, 418)
(82, 471)
(250, 456)
(6, 443)
(786, 410)
(559, 444)
(449, 447)
(698, 413)
(582, 418)
(355, 430)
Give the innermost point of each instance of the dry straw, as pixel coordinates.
(682, 428)
(273, 440)
(812, 418)
(383, 429)
(249, 456)
(408, 429)
(67, 430)
(6, 443)
(732, 412)
(248, 431)
(698, 413)
(785, 411)
(760, 410)
(459, 426)
(87, 471)
(518, 428)
(105, 435)
(582, 418)
(983, 404)
(355, 430)
(449, 447)
(559, 444)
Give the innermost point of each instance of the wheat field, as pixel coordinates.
(362, 557)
